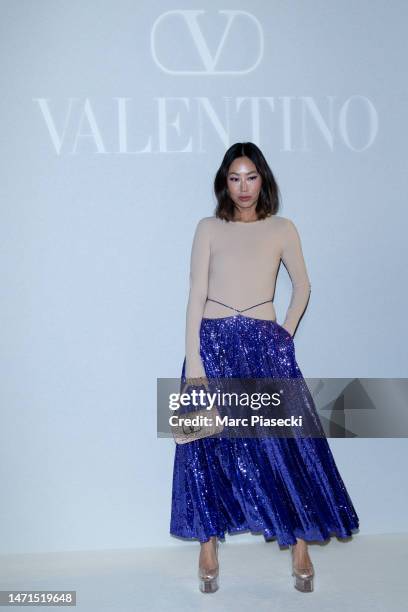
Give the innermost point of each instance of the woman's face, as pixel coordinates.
(244, 183)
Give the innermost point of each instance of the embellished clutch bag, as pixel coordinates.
(197, 424)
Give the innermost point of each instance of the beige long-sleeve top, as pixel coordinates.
(236, 262)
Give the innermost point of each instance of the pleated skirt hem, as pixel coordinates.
(269, 534)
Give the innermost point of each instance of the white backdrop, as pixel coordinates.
(115, 116)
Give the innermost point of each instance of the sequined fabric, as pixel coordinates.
(282, 488)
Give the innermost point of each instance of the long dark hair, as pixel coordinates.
(268, 201)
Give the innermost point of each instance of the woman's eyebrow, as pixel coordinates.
(252, 171)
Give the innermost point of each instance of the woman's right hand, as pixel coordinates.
(201, 381)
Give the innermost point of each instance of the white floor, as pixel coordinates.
(364, 573)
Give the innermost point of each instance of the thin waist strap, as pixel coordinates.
(236, 309)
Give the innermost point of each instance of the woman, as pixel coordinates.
(289, 488)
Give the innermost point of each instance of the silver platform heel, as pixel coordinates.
(303, 575)
(208, 578)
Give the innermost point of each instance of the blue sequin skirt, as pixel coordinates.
(283, 488)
